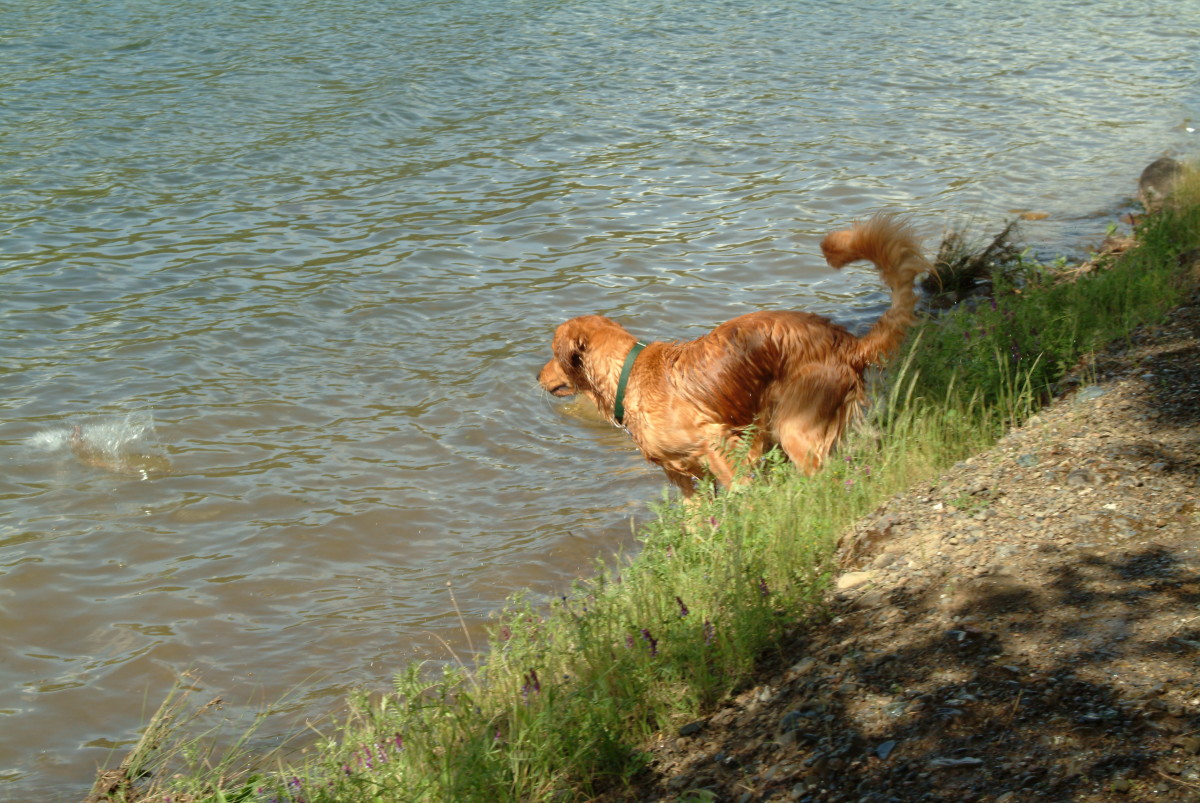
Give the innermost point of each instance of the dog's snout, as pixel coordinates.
(554, 381)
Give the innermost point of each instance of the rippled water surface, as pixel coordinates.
(277, 277)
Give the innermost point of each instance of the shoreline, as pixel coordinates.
(567, 702)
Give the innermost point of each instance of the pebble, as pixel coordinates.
(852, 580)
(965, 761)
(884, 559)
(804, 664)
(792, 720)
(1081, 477)
(679, 781)
(1090, 392)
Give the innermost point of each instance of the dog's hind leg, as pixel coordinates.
(814, 410)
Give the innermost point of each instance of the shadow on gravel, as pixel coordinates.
(1079, 685)
(1171, 401)
(971, 720)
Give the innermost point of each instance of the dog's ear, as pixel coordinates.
(569, 346)
(577, 348)
(569, 352)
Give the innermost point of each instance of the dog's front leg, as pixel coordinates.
(684, 482)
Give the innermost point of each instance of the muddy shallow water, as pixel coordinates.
(276, 280)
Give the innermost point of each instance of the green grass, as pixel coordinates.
(567, 693)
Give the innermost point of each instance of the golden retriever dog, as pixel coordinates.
(788, 379)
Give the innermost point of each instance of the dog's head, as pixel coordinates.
(583, 348)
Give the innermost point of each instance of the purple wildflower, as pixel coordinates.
(710, 633)
(629, 642)
(532, 684)
(398, 741)
(683, 609)
(651, 640)
(762, 587)
(713, 521)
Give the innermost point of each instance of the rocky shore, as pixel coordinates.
(1026, 627)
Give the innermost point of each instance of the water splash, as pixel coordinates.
(127, 445)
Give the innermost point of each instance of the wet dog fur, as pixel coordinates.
(788, 379)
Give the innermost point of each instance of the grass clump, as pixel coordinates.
(566, 693)
(962, 265)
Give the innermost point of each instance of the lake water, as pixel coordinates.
(277, 277)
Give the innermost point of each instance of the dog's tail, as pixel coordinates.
(892, 245)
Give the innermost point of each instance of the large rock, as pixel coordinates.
(1157, 180)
